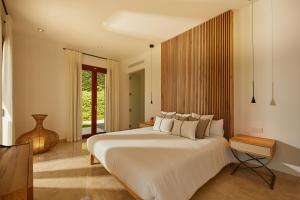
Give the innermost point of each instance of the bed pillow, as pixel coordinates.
(201, 128)
(169, 115)
(216, 128)
(163, 124)
(182, 116)
(188, 129)
(210, 117)
(176, 127)
(157, 123)
(166, 125)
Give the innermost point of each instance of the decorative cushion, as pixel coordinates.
(188, 129)
(166, 125)
(216, 128)
(163, 124)
(182, 116)
(201, 128)
(156, 126)
(210, 117)
(169, 115)
(177, 127)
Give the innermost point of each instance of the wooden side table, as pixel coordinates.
(255, 149)
(146, 124)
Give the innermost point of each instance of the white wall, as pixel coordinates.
(39, 85)
(151, 110)
(279, 122)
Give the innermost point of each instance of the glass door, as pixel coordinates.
(101, 79)
(86, 95)
(93, 100)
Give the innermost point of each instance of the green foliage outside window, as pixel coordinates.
(87, 95)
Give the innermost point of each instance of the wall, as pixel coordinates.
(39, 85)
(1, 33)
(280, 122)
(150, 109)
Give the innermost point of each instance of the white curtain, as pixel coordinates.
(112, 97)
(1, 74)
(73, 67)
(7, 84)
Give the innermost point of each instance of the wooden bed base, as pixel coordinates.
(135, 196)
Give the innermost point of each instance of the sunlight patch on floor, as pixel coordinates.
(73, 162)
(296, 168)
(102, 182)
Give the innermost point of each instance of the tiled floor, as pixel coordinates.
(64, 173)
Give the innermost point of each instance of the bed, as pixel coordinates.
(160, 166)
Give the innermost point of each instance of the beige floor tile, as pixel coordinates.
(64, 173)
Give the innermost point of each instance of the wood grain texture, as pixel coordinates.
(16, 169)
(197, 71)
(248, 139)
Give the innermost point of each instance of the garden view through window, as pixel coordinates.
(93, 100)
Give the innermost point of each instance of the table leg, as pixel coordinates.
(261, 164)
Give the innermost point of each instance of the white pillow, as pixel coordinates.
(157, 123)
(166, 125)
(216, 128)
(210, 117)
(168, 113)
(163, 124)
(188, 129)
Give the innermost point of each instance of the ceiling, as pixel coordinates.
(114, 28)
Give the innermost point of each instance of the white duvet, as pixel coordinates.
(160, 166)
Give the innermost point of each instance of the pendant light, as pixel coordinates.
(253, 98)
(272, 103)
(151, 47)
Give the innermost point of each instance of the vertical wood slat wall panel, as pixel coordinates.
(197, 71)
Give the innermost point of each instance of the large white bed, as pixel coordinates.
(156, 165)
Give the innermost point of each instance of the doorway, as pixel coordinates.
(136, 98)
(93, 100)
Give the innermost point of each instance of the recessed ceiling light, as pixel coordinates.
(40, 30)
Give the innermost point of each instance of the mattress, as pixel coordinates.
(158, 165)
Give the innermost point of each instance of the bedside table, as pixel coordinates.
(146, 124)
(254, 149)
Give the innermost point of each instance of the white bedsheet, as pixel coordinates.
(159, 166)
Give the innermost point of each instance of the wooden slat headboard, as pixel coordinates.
(197, 71)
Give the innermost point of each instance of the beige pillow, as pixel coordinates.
(168, 115)
(182, 116)
(216, 128)
(188, 129)
(176, 127)
(201, 128)
(210, 117)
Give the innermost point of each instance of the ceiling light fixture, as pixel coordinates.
(40, 30)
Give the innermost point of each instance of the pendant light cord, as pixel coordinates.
(253, 70)
(272, 103)
(272, 37)
(151, 46)
(253, 64)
